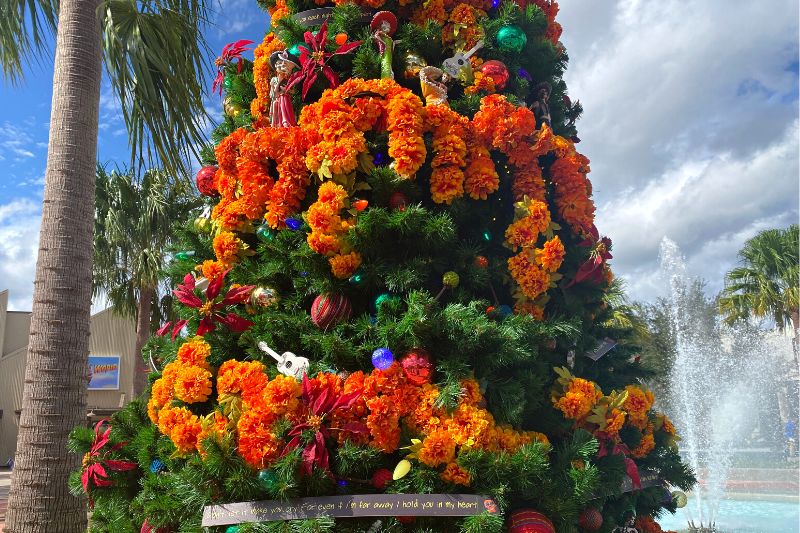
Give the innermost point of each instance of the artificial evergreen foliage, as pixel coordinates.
(500, 373)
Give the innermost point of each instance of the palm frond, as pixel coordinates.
(156, 58)
(25, 26)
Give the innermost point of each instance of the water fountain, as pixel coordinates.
(719, 379)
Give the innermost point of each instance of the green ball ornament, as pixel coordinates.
(265, 233)
(267, 479)
(511, 39)
(356, 279)
(232, 529)
(228, 81)
(680, 499)
(450, 280)
(382, 299)
(296, 50)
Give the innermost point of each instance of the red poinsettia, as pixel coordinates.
(319, 403)
(630, 466)
(592, 269)
(212, 310)
(316, 60)
(96, 462)
(230, 52)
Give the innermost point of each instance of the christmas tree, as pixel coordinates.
(397, 288)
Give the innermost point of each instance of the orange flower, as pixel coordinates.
(257, 445)
(344, 265)
(172, 416)
(469, 426)
(185, 435)
(551, 255)
(614, 421)
(212, 269)
(532, 280)
(645, 446)
(281, 395)
(437, 448)
(193, 384)
(637, 405)
(455, 474)
(194, 352)
(227, 247)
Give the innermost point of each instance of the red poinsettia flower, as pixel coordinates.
(592, 269)
(212, 309)
(630, 466)
(96, 462)
(230, 52)
(316, 59)
(319, 403)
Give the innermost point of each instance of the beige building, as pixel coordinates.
(111, 384)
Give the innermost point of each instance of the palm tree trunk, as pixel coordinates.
(142, 369)
(56, 373)
(795, 317)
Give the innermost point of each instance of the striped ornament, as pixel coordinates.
(529, 521)
(330, 309)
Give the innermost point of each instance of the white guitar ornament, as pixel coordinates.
(289, 364)
(459, 66)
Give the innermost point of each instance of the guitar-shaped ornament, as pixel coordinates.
(459, 66)
(289, 364)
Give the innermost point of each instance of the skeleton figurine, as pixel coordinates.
(628, 526)
(434, 85)
(541, 106)
(281, 112)
(383, 26)
(459, 66)
(289, 364)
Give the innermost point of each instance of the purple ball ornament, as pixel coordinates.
(382, 358)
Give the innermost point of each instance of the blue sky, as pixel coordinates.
(691, 124)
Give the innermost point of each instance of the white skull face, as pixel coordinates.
(284, 66)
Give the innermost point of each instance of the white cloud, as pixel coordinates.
(19, 244)
(690, 122)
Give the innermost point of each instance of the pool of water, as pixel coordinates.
(745, 516)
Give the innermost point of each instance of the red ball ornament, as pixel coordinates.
(381, 478)
(406, 519)
(417, 366)
(591, 519)
(330, 309)
(205, 180)
(398, 200)
(481, 261)
(497, 71)
(529, 521)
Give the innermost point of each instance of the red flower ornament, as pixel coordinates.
(97, 463)
(316, 59)
(319, 404)
(213, 309)
(230, 52)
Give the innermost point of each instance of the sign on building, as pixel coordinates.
(103, 372)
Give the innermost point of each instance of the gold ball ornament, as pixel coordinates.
(202, 225)
(450, 280)
(263, 297)
(679, 499)
(231, 108)
(414, 63)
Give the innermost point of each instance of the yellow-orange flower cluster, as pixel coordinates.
(187, 379)
(450, 152)
(328, 230)
(578, 399)
(252, 406)
(583, 401)
(572, 189)
(637, 405)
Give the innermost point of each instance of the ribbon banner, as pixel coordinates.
(646, 478)
(315, 17)
(352, 505)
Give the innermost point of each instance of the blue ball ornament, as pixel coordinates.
(511, 38)
(293, 223)
(382, 358)
(504, 311)
(158, 466)
(380, 159)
